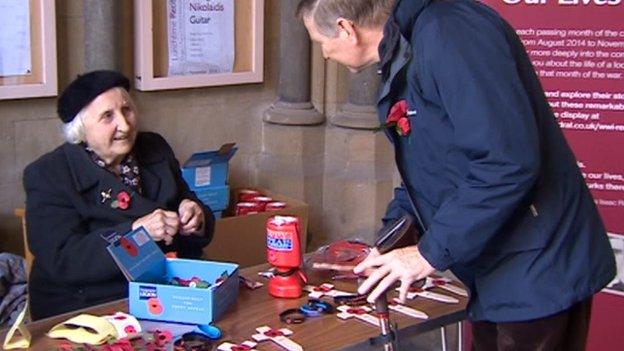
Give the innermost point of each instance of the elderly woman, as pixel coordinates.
(108, 177)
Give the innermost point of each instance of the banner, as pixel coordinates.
(577, 49)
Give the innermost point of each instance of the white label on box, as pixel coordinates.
(202, 176)
(140, 238)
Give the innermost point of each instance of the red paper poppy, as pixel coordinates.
(273, 333)
(398, 118)
(120, 345)
(123, 200)
(162, 338)
(398, 110)
(356, 311)
(65, 346)
(154, 307)
(403, 126)
(130, 248)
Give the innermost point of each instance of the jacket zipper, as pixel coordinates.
(413, 204)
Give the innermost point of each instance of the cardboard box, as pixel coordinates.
(209, 168)
(215, 197)
(185, 304)
(150, 296)
(242, 239)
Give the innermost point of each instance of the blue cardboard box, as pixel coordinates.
(150, 296)
(208, 168)
(215, 197)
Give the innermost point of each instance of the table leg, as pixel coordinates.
(460, 336)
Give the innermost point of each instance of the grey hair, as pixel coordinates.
(73, 131)
(364, 13)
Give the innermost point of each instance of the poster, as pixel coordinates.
(616, 286)
(14, 38)
(200, 36)
(577, 49)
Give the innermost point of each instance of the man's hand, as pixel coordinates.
(160, 224)
(406, 265)
(191, 217)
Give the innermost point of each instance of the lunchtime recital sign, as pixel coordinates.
(200, 36)
(577, 50)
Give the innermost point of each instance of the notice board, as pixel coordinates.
(151, 47)
(41, 78)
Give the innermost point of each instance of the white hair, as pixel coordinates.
(73, 131)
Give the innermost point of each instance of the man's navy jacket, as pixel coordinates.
(497, 189)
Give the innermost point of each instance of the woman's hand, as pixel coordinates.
(191, 217)
(160, 224)
(406, 265)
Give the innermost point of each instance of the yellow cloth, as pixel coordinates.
(21, 341)
(84, 328)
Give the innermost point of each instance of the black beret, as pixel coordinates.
(85, 89)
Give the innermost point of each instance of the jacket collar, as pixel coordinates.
(406, 13)
(399, 24)
(87, 174)
(395, 49)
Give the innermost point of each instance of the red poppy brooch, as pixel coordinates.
(397, 118)
(122, 201)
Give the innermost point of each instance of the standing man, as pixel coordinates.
(485, 168)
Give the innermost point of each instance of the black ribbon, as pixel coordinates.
(292, 316)
(193, 341)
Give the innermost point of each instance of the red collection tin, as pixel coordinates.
(275, 206)
(245, 208)
(284, 253)
(247, 195)
(262, 201)
(283, 246)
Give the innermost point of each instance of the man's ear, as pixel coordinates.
(346, 29)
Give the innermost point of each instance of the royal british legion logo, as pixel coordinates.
(147, 292)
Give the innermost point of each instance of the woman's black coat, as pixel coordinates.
(66, 218)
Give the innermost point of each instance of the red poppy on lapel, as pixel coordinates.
(397, 118)
(123, 200)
